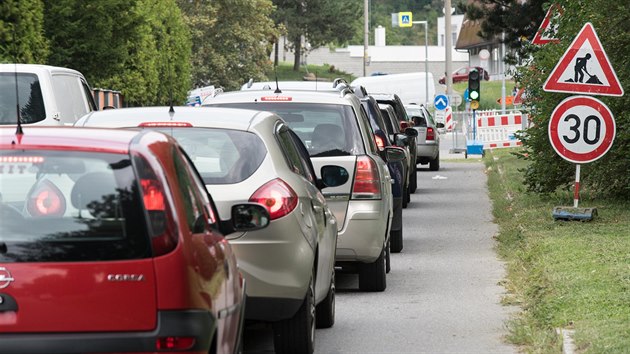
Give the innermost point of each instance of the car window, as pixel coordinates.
(325, 129)
(364, 121)
(88, 94)
(67, 206)
(388, 121)
(194, 206)
(462, 71)
(31, 101)
(222, 156)
(304, 157)
(71, 98)
(290, 151)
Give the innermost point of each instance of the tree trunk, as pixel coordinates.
(297, 44)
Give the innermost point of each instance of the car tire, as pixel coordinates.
(406, 198)
(434, 165)
(325, 310)
(388, 260)
(297, 334)
(413, 181)
(372, 276)
(396, 239)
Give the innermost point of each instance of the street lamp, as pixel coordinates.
(426, 58)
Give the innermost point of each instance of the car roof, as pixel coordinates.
(226, 118)
(72, 138)
(326, 97)
(289, 85)
(35, 68)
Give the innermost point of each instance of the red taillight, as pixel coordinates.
(152, 195)
(277, 196)
(276, 98)
(21, 159)
(165, 125)
(379, 141)
(404, 125)
(367, 184)
(174, 343)
(430, 134)
(46, 200)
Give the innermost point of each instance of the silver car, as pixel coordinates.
(250, 156)
(428, 139)
(335, 129)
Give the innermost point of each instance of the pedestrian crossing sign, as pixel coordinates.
(404, 19)
(584, 68)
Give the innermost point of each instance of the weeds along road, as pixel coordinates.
(442, 293)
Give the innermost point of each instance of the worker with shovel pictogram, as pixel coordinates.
(580, 69)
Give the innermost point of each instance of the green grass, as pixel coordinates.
(562, 274)
(323, 72)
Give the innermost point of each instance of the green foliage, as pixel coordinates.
(22, 37)
(230, 40)
(561, 274)
(323, 72)
(608, 176)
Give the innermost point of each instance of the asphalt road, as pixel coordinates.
(442, 293)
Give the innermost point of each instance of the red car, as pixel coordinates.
(461, 74)
(109, 242)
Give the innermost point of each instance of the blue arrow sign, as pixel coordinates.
(440, 102)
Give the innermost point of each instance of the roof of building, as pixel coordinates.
(469, 36)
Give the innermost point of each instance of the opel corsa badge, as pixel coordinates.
(5, 278)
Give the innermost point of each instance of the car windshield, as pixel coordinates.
(222, 156)
(325, 129)
(67, 206)
(30, 98)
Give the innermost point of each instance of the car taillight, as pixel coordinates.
(430, 134)
(379, 141)
(367, 184)
(161, 225)
(174, 343)
(46, 200)
(277, 196)
(165, 125)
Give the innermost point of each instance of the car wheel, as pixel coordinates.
(406, 198)
(388, 261)
(297, 334)
(434, 165)
(413, 182)
(325, 310)
(396, 238)
(372, 275)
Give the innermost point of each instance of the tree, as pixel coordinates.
(317, 21)
(516, 18)
(22, 37)
(231, 40)
(140, 47)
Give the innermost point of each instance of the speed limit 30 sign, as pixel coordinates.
(581, 129)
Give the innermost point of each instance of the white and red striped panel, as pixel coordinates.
(497, 131)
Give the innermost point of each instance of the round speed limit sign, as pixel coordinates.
(581, 129)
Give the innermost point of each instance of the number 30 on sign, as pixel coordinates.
(581, 129)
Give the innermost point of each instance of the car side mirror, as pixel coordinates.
(439, 125)
(249, 217)
(410, 132)
(332, 176)
(394, 154)
(401, 140)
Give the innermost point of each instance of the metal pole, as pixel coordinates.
(503, 72)
(365, 35)
(576, 188)
(448, 44)
(426, 63)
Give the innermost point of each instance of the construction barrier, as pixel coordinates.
(449, 119)
(497, 130)
(105, 98)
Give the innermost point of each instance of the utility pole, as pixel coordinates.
(365, 35)
(448, 35)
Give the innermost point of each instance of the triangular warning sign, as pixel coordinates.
(544, 35)
(584, 68)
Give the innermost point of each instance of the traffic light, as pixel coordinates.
(474, 85)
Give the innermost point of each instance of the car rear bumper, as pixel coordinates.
(191, 323)
(364, 235)
(271, 309)
(427, 152)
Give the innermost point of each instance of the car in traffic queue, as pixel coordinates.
(461, 74)
(251, 156)
(399, 139)
(428, 143)
(109, 242)
(335, 130)
(405, 122)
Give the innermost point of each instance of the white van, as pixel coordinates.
(410, 87)
(47, 95)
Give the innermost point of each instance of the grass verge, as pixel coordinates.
(322, 72)
(562, 274)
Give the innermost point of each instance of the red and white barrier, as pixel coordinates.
(448, 119)
(497, 131)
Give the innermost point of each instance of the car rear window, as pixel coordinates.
(222, 156)
(325, 129)
(30, 98)
(67, 206)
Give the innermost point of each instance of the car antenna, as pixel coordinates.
(19, 132)
(275, 70)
